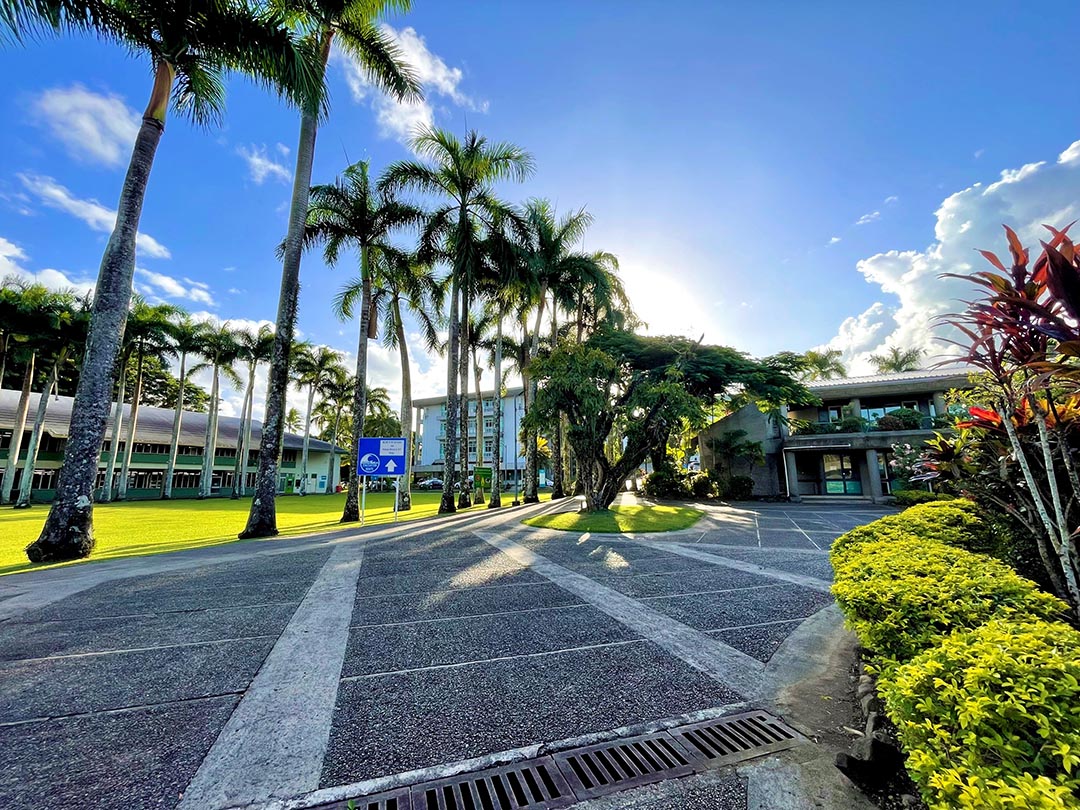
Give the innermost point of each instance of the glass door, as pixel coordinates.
(841, 475)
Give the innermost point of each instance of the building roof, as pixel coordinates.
(427, 402)
(154, 426)
(897, 382)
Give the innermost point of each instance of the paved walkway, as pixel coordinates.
(292, 672)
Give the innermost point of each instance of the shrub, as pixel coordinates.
(989, 717)
(955, 522)
(901, 595)
(913, 497)
(702, 486)
(740, 488)
(666, 483)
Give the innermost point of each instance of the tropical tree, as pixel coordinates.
(255, 348)
(188, 336)
(293, 420)
(825, 364)
(896, 359)
(314, 366)
(352, 25)
(351, 213)
(336, 395)
(459, 175)
(221, 350)
(190, 46)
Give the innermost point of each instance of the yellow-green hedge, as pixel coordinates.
(955, 523)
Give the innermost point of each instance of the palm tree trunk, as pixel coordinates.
(478, 496)
(243, 438)
(404, 489)
(453, 346)
(118, 426)
(69, 531)
(465, 495)
(262, 519)
(35, 435)
(174, 444)
(331, 472)
(532, 472)
(351, 513)
(495, 501)
(206, 480)
(307, 440)
(21, 412)
(129, 444)
(557, 482)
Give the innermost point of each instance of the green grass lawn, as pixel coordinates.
(150, 527)
(621, 519)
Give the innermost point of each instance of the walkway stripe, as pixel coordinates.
(274, 742)
(721, 662)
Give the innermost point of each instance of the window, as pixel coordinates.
(186, 479)
(225, 452)
(832, 413)
(151, 449)
(288, 455)
(188, 450)
(52, 444)
(145, 479)
(44, 479)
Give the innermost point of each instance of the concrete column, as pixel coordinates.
(792, 478)
(874, 475)
(940, 408)
(855, 405)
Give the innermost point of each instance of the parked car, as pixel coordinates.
(430, 483)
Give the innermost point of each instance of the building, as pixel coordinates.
(431, 435)
(842, 447)
(150, 453)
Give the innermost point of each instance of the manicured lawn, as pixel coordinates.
(621, 519)
(151, 527)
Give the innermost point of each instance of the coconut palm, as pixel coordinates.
(314, 366)
(351, 213)
(190, 45)
(352, 25)
(824, 364)
(896, 359)
(255, 348)
(336, 395)
(221, 350)
(188, 336)
(460, 175)
(293, 420)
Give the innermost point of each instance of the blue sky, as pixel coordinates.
(721, 148)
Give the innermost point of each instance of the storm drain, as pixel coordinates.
(568, 777)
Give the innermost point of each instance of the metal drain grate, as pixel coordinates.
(533, 785)
(609, 767)
(737, 737)
(399, 799)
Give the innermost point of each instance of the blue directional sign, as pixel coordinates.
(382, 457)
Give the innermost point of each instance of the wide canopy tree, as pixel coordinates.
(624, 390)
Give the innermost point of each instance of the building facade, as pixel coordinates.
(150, 452)
(840, 449)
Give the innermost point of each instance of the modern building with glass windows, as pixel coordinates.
(842, 447)
(150, 452)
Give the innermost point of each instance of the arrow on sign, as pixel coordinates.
(391, 465)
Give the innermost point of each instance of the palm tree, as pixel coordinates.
(824, 364)
(352, 214)
(352, 24)
(221, 350)
(255, 348)
(336, 393)
(896, 359)
(314, 366)
(293, 420)
(188, 336)
(190, 46)
(460, 174)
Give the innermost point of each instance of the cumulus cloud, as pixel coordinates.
(94, 127)
(1023, 198)
(866, 219)
(93, 213)
(397, 119)
(164, 286)
(262, 166)
(833, 240)
(12, 264)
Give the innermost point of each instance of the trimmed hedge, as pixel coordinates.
(991, 717)
(955, 523)
(913, 497)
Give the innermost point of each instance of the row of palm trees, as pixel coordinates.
(827, 364)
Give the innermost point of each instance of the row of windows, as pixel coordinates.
(53, 444)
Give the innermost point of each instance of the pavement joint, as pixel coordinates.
(135, 707)
(750, 568)
(122, 651)
(574, 606)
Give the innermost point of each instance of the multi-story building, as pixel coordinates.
(150, 452)
(431, 434)
(842, 447)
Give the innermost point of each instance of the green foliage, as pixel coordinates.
(955, 523)
(914, 497)
(667, 483)
(989, 717)
(901, 419)
(740, 488)
(702, 485)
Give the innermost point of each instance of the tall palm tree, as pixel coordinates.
(221, 350)
(336, 395)
(896, 359)
(190, 46)
(824, 364)
(460, 174)
(255, 348)
(293, 420)
(314, 366)
(351, 213)
(352, 24)
(189, 337)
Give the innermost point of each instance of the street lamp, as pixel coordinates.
(517, 454)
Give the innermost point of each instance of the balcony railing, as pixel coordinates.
(855, 424)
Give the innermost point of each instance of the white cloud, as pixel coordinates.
(891, 199)
(865, 219)
(978, 153)
(93, 127)
(971, 219)
(93, 213)
(397, 119)
(160, 284)
(12, 258)
(261, 165)
(834, 239)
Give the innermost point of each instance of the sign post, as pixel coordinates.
(381, 458)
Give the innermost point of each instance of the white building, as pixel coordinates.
(431, 434)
